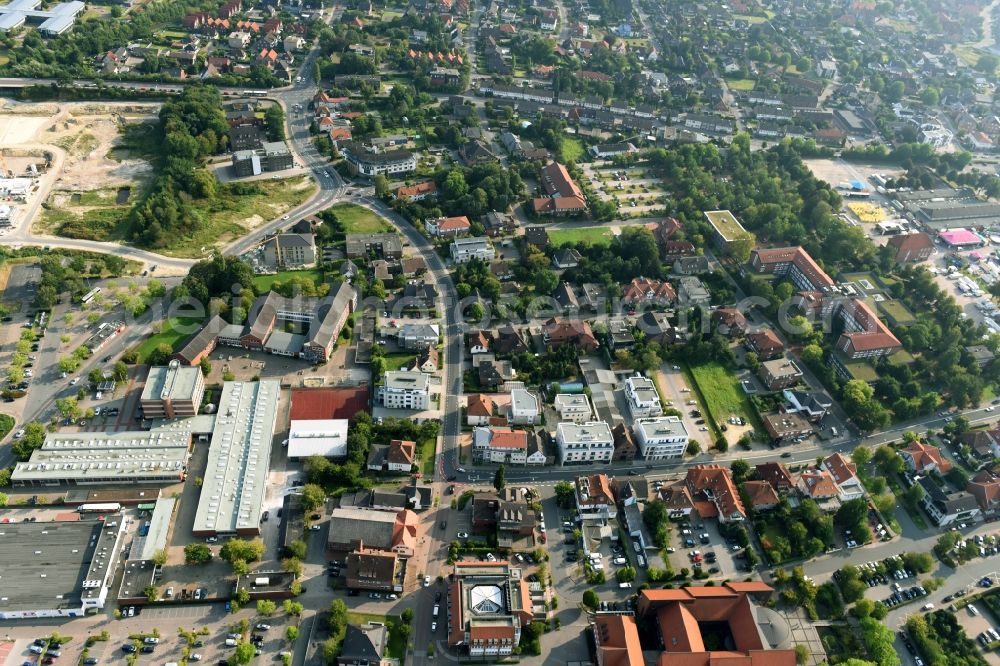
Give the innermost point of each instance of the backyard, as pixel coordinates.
(359, 220)
(589, 235)
(263, 283)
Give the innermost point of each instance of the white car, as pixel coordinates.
(285, 217)
(427, 581)
(315, 528)
(434, 627)
(19, 434)
(463, 535)
(74, 381)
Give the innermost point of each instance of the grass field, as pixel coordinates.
(741, 84)
(398, 360)
(359, 220)
(591, 235)
(966, 54)
(263, 283)
(749, 19)
(570, 149)
(721, 393)
(175, 331)
(6, 424)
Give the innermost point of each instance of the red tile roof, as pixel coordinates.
(925, 456)
(617, 640)
(873, 334)
(480, 405)
(719, 482)
(760, 494)
(508, 439)
(645, 289)
(841, 469)
(818, 485)
(796, 256)
(328, 403)
(776, 474)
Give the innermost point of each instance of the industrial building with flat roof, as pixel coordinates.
(53, 21)
(172, 391)
(232, 493)
(317, 437)
(56, 569)
(106, 457)
(945, 207)
(726, 227)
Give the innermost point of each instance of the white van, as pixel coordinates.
(437, 610)
(230, 642)
(619, 560)
(928, 607)
(624, 586)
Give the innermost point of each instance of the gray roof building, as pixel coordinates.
(362, 645)
(232, 494)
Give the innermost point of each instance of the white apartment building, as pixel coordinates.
(523, 407)
(467, 249)
(585, 442)
(661, 438)
(406, 390)
(643, 400)
(573, 408)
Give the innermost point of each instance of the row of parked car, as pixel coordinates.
(901, 595)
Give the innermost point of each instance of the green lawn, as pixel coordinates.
(175, 331)
(398, 360)
(570, 149)
(263, 283)
(749, 19)
(6, 424)
(741, 84)
(721, 393)
(358, 220)
(591, 235)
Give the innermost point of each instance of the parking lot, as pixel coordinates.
(714, 555)
(635, 189)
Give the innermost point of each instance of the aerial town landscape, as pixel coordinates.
(554, 332)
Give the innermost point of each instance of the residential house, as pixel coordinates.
(691, 293)
(812, 405)
(428, 360)
(729, 321)
(985, 487)
(373, 569)
(566, 258)
(498, 224)
(475, 152)
(537, 237)
(779, 374)
(500, 445)
(290, 251)
(776, 474)
(786, 427)
(509, 341)
(594, 498)
(480, 409)
(644, 291)
(921, 457)
(656, 327)
(363, 644)
(493, 373)
(624, 441)
(845, 475)
(478, 342)
(418, 192)
(761, 495)
(396, 456)
(564, 196)
(558, 332)
(766, 344)
(418, 336)
(466, 249)
(817, 485)
(524, 409)
(573, 408)
(985, 444)
(714, 493)
(947, 508)
(405, 390)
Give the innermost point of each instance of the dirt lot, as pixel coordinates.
(836, 171)
(642, 188)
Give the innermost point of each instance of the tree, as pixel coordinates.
(988, 63)
(740, 470)
(266, 607)
(160, 557)
(381, 186)
(565, 494)
(861, 456)
(590, 599)
(407, 616)
(802, 654)
(244, 653)
(297, 549)
(722, 444)
(197, 553)
(242, 550)
(34, 437)
(313, 497)
(68, 407)
(160, 355)
(291, 633)
(499, 478)
(338, 620)
(68, 364)
(293, 608)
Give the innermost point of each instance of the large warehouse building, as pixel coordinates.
(78, 458)
(56, 569)
(232, 493)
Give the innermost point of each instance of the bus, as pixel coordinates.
(90, 295)
(254, 93)
(102, 507)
